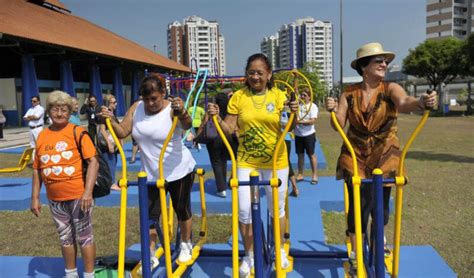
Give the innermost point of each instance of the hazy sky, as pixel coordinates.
(398, 24)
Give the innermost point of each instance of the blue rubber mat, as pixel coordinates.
(201, 156)
(415, 262)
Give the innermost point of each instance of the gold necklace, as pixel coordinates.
(257, 105)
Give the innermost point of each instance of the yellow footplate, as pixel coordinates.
(347, 267)
(389, 263)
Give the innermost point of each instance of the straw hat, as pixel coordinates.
(372, 49)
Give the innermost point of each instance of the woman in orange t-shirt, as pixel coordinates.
(58, 165)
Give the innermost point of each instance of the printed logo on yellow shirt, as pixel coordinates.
(270, 107)
(255, 147)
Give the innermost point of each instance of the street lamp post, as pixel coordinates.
(340, 48)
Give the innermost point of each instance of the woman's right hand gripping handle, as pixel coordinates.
(331, 104)
(212, 109)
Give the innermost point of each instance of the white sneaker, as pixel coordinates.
(246, 266)
(154, 262)
(352, 264)
(222, 194)
(284, 259)
(185, 253)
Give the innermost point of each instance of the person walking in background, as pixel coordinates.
(198, 116)
(256, 110)
(2, 122)
(58, 165)
(106, 143)
(135, 150)
(74, 118)
(35, 118)
(288, 138)
(217, 150)
(305, 136)
(149, 121)
(91, 108)
(371, 108)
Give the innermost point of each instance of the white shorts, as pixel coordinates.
(243, 174)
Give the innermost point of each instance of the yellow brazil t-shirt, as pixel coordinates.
(259, 128)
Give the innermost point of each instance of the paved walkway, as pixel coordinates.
(14, 137)
(18, 136)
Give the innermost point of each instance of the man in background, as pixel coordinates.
(35, 118)
(91, 108)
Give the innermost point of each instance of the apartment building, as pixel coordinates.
(197, 43)
(270, 47)
(302, 41)
(449, 18)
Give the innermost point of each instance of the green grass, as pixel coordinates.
(38, 236)
(438, 207)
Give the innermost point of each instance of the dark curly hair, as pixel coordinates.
(264, 58)
(154, 82)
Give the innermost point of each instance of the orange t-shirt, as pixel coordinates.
(59, 162)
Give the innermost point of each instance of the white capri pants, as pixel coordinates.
(243, 174)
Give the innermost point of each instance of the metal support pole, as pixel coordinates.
(379, 244)
(256, 224)
(144, 224)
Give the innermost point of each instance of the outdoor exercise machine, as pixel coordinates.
(264, 247)
(24, 159)
(370, 255)
(166, 215)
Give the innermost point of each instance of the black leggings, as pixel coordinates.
(218, 155)
(180, 192)
(288, 150)
(367, 206)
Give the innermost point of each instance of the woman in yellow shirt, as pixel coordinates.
(256, 110)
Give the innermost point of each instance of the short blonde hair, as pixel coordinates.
(58, 98)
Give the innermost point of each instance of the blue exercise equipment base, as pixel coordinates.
(307, 233)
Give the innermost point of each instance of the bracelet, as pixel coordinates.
(421, 104)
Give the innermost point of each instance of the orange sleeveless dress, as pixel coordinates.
(372, 133)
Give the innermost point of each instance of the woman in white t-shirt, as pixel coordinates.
(305, 136)
(149, 122)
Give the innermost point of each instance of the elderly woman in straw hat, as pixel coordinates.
(371, 107)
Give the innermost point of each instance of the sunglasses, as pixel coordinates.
(380, 60)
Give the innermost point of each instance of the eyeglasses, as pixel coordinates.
(380, 60)
(62, 109)
(34, 101)
(253, 72)
(303, 95)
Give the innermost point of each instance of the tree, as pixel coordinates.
(311, 71)
(468, 56)
(437, 61)
(320, 88)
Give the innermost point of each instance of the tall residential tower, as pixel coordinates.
(302, 41)
(197, 43)
(449, 18)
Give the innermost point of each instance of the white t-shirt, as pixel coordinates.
(37, 111)
(305, 130)
(150, 132)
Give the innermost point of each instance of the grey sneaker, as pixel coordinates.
(222, 194)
